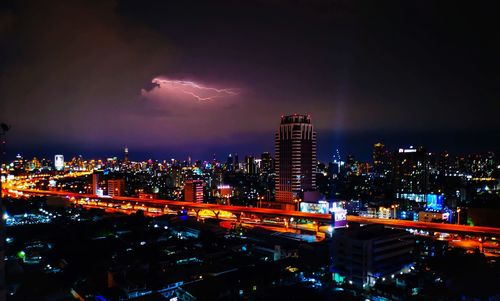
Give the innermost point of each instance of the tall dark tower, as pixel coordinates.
(267, 163)
(229, 163)
(411, 170)
(236, 162)
(125, 155)
(250, 167)
(381, 160)
(295, 146)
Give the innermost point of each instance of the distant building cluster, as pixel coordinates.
(185, 250)
(405, 183)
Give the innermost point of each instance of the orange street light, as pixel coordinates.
(394, 207)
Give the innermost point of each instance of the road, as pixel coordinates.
(240, 211)
(433, 227)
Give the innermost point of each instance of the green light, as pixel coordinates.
(21, 254)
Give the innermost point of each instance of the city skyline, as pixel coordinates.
(357, 146)
(328, 147)
(363, 153)
(249, 150)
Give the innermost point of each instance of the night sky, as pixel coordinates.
(172, 79)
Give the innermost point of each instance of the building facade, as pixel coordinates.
(95, 183)
(295, 158)
(411, 170)
(363, 255)
(116, 187)
(250, 165)
(193, 191)
(125, 155)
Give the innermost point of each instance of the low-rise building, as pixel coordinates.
(361, 255)
(433, 216)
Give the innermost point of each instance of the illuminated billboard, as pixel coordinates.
(225, 191)
(320, 207)
(407, 150)
(59, 162)
(434, 201)
(339, 216)
(417, 197)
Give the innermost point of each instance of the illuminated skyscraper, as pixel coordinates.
(250, 167)
(59, 162)
(295, 146)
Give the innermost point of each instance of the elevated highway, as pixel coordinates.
(273, 213)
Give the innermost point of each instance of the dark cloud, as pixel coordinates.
(79, 68)
(73, 74)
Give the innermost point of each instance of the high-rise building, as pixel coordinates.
(229, 163)
(411, 170)
(18, 163)
(382, 171)
(175, 177)
(335, 167)
(351, 164)
(59, 162)
(381, 160)
(236, 162)
(295, 146)
(266, 164)
(95, 183)
(125, 155)
(116, 187)
(250, 166)
(193, 191)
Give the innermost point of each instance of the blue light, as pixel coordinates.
(434, 202)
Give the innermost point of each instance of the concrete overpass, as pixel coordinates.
(238, 211)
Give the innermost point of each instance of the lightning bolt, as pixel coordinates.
(187, 87)
(199, 97)
(196, 86)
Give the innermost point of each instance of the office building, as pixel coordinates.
(411, 170)
(193, 191)
(236, 162)
(230, 163)
(95, 183)
(125, 155)
(59, 162)
(116, 187)
(266, 164)
(381, 160)
(440, 216)
(363, 255)
(224, 191)
(295, 166)
(250, 166)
